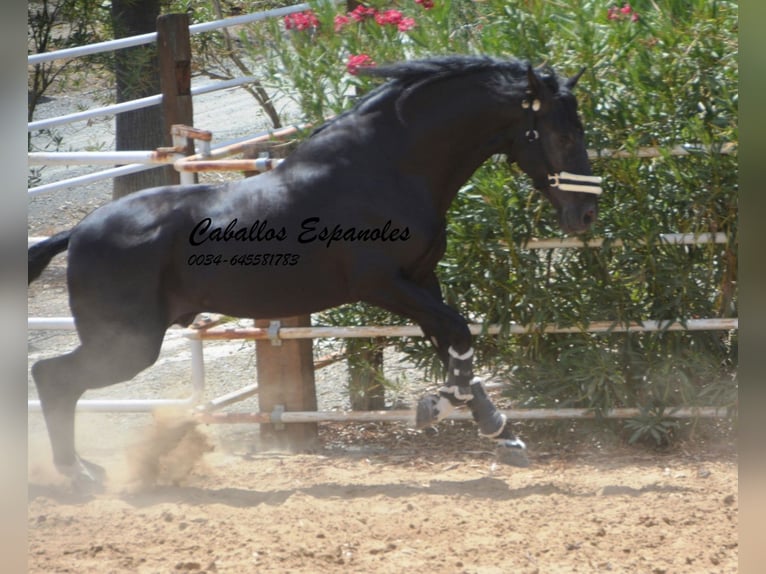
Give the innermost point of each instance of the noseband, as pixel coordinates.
(564, 180)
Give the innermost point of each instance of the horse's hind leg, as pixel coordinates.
(98, 362)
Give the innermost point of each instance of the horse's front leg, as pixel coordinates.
(448, 328)
(462, 388)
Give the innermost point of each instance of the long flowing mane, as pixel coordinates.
(407, 77)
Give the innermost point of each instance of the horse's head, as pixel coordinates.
(550, 148)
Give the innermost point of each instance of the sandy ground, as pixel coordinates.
(384, 498)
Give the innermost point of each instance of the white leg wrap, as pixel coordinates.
(454, 390)
(455, 355)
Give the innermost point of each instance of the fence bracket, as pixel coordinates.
(273, 333)
(276, 417)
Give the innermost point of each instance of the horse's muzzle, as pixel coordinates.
(577, 219)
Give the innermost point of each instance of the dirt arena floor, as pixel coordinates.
(385, 498)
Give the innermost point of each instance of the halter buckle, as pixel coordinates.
(566, 181)
(535, 105)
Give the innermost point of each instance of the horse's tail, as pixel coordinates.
(40, 254)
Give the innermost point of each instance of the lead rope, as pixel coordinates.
(564, 180)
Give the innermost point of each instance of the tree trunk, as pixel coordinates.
(365, 370)
(137, 76)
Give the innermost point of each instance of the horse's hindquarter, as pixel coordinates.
(118, 255)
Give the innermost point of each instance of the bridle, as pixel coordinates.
(564, 180)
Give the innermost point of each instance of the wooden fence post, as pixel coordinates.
(136, 75)
(285, 372)
(286, 381)
(174, 58)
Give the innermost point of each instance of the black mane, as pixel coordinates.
(407, 73)
(409, 76)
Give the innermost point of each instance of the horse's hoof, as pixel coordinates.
(427, 413)
(94, 471)
(512, 452)
(86, 477)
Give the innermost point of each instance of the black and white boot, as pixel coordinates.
(456, 393)
(493, 425)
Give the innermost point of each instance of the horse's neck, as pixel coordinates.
(452, 144)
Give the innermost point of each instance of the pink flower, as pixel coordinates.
(357, 61)
(340, 22)
(362, 13)
(406, 24)
(395, 18)
(392, 17)
(426, 4)
(301, 21)
(383, 18)
(615, 13)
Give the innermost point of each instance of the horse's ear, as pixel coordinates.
(572, 82)
(535, 83)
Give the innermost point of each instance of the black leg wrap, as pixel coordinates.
(491, 422)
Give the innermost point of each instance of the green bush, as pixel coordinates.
(660, 73)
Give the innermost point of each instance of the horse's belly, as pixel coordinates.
(264, 291)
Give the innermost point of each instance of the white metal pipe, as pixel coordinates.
(186, 178)
(96, 48)
(476, 329)
(408, 416)
(131, 105)
(229, 398)
(141, 39)
(123, 405)
(88, 178)
(95, 112)
(712, 324)
(249, 18)
(511, 414)
(223, 85)
(50, 323)
(99, 158)
(654, 152)
(673, 238)
(197, 369)
(573, 242)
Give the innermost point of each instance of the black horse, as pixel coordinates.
(355, 213)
